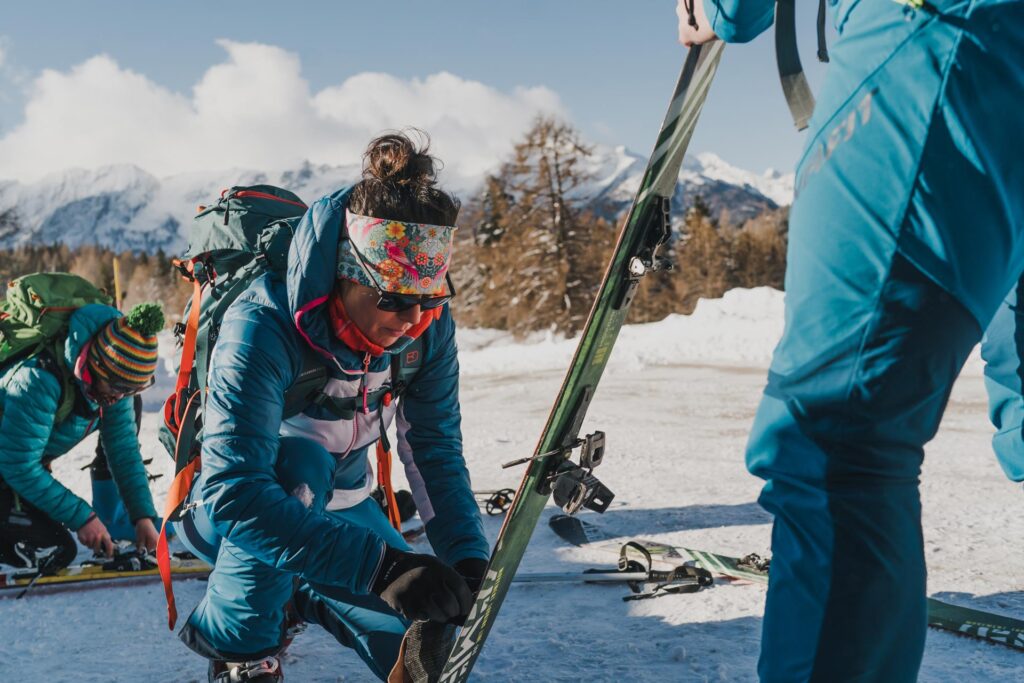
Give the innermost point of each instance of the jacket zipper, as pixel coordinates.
(366, 410)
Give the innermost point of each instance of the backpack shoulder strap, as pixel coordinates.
(308, 386)
(49, 361)
(405, 365)
(798, 93)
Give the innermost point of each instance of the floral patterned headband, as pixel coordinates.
(403, 258)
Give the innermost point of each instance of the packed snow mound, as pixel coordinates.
(741, 329)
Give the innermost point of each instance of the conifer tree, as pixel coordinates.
(537, 247)
(702, 257)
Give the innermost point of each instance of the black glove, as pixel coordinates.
(472, 569)
(421, 587)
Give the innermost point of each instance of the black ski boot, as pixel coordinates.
(266, 670)
(406, 505)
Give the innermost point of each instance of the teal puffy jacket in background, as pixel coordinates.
(29, 397)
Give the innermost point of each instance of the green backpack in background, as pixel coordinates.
(34, 318)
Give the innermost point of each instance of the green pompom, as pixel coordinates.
(147, 319)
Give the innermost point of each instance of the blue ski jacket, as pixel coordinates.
(29, 397)
(258, 355)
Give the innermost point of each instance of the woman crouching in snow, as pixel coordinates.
(284, 508)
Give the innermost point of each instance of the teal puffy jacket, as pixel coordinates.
(258, 355)
(29, 397)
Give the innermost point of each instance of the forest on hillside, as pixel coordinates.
(531, 250)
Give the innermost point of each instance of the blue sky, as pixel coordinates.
(608, 66)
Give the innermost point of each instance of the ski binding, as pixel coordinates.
(574, 486)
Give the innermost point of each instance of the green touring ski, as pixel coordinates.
(965, 621)
(550, 470)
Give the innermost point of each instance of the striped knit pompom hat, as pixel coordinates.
(124, 352)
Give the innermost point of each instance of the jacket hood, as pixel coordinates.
(312, 270)
(83, 326)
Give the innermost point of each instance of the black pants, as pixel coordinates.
(30, 538)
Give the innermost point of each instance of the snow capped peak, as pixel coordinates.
(772, 184)
(124, 207)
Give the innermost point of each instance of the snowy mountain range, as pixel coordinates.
(124, 207)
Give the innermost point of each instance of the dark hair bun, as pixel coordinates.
(394, 158)
(400, 182)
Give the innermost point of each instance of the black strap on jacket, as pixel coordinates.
(787, 56)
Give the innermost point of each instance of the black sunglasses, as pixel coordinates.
(396, 303)
(115, 393)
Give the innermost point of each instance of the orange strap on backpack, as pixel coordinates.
(384, 481)
(176, 497)
(174, 407)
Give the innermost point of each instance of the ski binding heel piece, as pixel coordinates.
(574, 486)
(257, 671)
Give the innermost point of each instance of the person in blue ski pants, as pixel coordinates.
(283, 506)
(906, 241)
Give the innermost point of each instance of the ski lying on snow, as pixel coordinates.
(95, 574)
(549, 470)
(965, 621)
(583, 533)
(995, 628)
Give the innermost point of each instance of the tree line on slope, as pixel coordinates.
(531, 249)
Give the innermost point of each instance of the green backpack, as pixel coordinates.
(245, 233)
(34, 320)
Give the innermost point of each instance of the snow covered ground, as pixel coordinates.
(676, 403)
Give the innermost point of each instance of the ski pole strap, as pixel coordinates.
(791, 72)
(176, 496)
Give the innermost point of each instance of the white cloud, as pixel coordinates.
(255, 110)
(3, 51)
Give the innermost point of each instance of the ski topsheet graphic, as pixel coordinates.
(586, 534)
(965, 621)
(550, 470)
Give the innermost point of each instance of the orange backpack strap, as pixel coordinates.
(176, 497)
(403, 369)
(384, 481)
(174, 407)
(180, 487)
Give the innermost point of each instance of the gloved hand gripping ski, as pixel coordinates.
(421, 587)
